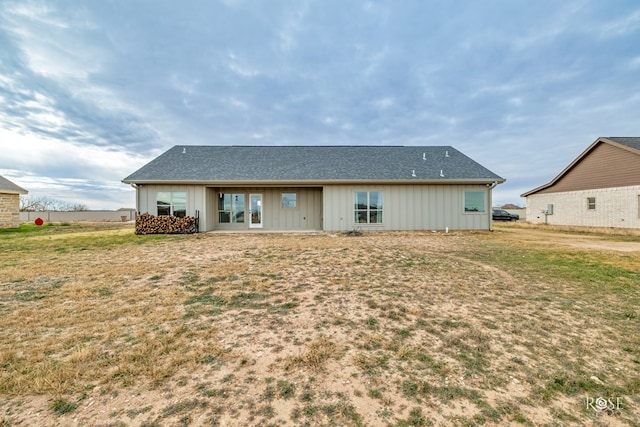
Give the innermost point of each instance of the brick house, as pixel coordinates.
(10, 203)
(600, 188)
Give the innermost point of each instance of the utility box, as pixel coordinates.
(549, 209)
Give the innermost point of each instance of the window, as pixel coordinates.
(172, 203)
(368, 207)
(231, 208)
(591, 203)
(289, 200)
(474, 201)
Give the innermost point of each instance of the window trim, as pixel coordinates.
(484, 203)
(232, 211)
(172, 205)
(591, 203)
(368, 211)
(295, 200)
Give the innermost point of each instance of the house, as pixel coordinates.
(331, 188)
(10, 203)
(600, 188)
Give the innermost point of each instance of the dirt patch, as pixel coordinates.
(602, 241)
(327, 329)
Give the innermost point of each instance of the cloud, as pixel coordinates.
(384, 103)
(94, 194)
(50, 67)
(621, 26)
(64, 171)
(634, 63)
(52, 46)
(35, 12)
(240, 66)
(291, 26)
(93, 90)
(32, 153)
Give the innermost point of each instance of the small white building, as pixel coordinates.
(330, 188)
(600, 188)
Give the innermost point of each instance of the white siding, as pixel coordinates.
(407, 207)
(615, 207)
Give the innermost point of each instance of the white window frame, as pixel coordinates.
(484, 202)
(172, 195)
(291, 203)
(233, 211)
(379, 212)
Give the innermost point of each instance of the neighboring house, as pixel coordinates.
(600, 188)
(331, 188)
(10, 203)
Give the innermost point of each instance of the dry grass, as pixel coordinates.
(106, 328)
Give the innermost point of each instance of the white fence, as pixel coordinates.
(57, 216)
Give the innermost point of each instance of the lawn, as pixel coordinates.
(519, 326)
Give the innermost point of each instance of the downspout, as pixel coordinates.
(135, 186)
(491, 187)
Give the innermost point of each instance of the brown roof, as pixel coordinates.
(607, 162)
(510, 206)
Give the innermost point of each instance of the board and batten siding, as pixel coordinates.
(147, 199)
(307, 215)
(407, 207)
(331, 208)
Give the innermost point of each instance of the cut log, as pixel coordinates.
(165, 224)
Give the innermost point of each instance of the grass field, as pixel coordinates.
(523, 325)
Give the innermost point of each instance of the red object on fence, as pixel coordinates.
(39, 221)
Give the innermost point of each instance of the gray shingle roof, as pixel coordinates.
(7, 186)
(208, 164)
(633, 142)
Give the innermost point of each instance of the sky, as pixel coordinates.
(90, 91)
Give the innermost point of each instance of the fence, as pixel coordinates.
(58, 216)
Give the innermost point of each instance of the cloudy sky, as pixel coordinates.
(92, 90)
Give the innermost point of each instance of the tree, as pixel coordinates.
(41, 204)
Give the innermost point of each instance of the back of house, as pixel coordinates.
(330, 188)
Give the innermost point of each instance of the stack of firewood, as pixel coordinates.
(164, 224)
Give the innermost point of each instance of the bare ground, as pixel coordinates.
(316, 329)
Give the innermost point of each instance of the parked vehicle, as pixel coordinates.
(502, 215)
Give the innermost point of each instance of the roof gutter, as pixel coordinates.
(318, 182)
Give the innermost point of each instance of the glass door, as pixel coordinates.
(255, 210)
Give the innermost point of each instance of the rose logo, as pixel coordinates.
(601, 403)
